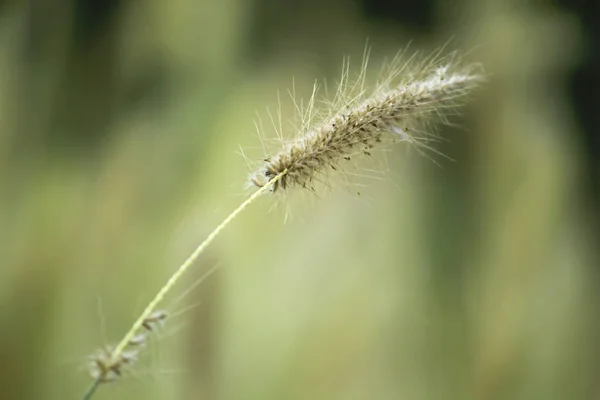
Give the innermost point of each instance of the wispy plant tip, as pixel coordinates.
(399, 108)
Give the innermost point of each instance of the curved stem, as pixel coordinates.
(118, 350)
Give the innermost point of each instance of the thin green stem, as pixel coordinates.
(118, 350)
(92, 389)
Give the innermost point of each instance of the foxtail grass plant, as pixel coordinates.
(403, 106)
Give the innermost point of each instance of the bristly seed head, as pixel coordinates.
(399, 107)
(106, 367)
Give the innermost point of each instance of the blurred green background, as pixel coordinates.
(119, 131)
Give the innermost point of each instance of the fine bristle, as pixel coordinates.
(405, 102)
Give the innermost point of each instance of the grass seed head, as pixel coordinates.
(105, 366)
(106, 369)
(400, 108)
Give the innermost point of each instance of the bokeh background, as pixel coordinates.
(120, 128)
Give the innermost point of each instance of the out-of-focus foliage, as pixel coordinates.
(119, 131)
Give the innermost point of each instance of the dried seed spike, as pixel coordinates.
(428, 91)
(102, 368)
(105, 369)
